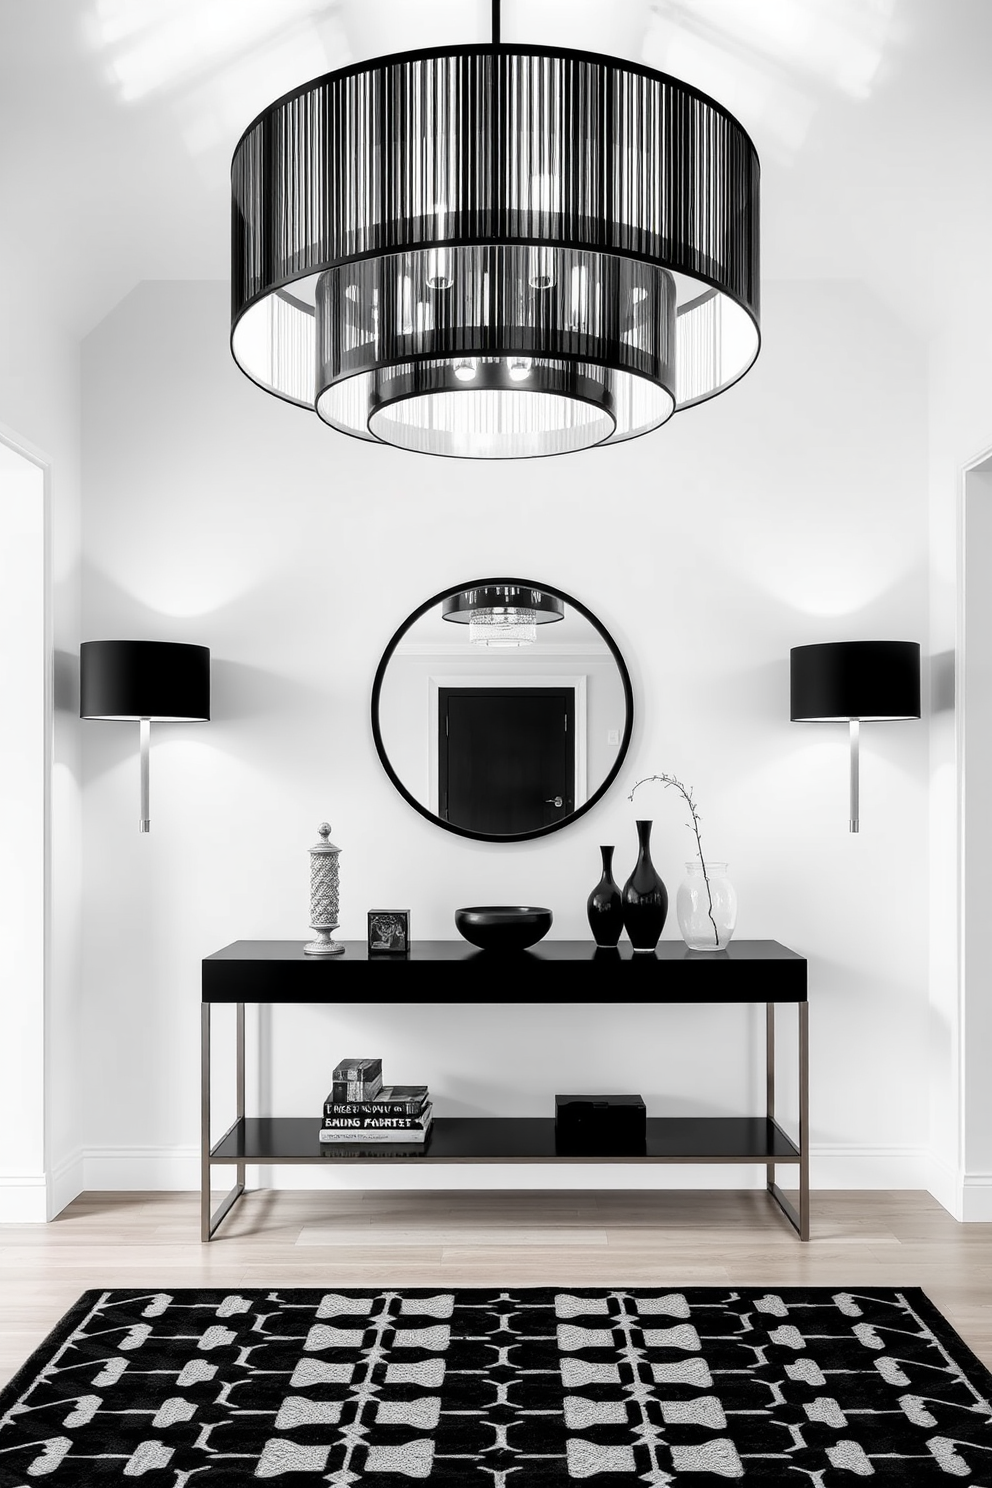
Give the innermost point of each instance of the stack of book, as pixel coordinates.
(361, 1109)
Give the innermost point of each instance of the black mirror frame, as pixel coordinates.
(539, 831)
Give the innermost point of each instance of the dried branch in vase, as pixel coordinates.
(686, 793)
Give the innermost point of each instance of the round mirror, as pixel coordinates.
(502, 709)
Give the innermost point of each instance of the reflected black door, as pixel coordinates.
(506, 757)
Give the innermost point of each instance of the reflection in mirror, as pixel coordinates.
(502, 709)
(502, 615)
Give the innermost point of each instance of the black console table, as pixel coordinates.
(277, 971)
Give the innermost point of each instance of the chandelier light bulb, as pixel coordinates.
(465, 369)
(439, 259)
(439, 269)
(541, 268)
(519, 367)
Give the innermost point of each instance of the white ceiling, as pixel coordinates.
(872, 118)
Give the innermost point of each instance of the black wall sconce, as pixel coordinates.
(855, 682)
(141, 682)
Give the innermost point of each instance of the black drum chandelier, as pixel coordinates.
(495, 251)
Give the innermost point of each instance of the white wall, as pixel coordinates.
(793, 509)
(976, 717)
(39, 410)
(960, 427)
(24, 732)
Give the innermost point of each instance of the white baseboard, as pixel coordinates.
(867, 1167)
(976, 1198)
(946, 1183)
(482, 1177)
(830, 1168)
(67, 1182)
(124, 1169)
(23, 1198)
(966, 1196)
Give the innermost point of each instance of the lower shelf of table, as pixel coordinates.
(478, 1139)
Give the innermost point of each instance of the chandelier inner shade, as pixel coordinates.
(495, 251)
(501, 629)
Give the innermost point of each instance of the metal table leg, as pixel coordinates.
(799, 1220)
(770, 1083)
(804, 1121)
(208, 1222)
(204, 1121)
(239, 1079)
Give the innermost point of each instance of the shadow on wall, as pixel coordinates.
(942, 682)
(65, 683)
(237, 691)
(240, 692)
(761, 692)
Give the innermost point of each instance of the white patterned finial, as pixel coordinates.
(324, 895)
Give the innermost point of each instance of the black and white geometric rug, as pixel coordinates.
(516, 1388)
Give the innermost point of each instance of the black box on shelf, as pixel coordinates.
(600, 1125)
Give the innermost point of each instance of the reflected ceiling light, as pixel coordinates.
(854, 682)
(495, 251)
(502, 615)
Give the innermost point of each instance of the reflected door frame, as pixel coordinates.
(576, 681)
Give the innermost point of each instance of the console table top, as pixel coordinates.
(279, 971)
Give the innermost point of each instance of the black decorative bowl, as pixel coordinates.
(503, 927)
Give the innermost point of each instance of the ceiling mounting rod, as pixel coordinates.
(495, 23)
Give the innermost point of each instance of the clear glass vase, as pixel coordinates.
(707, 916)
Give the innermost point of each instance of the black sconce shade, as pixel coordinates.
(144, 682)
(129, 680)
(854, 682)
(869, 680)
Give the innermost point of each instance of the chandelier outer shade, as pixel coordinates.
(495, 251)
(503, 615)
(541, 607)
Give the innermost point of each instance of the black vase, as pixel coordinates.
(645, 898)
(604, 905)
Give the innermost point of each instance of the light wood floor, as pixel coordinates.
(479, 1239)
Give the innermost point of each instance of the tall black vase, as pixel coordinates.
(604, 905)
(645, 898)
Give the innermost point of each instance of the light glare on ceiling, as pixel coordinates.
(770, 61)
(166, 43)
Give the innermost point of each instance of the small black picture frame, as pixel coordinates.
(389, 932)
